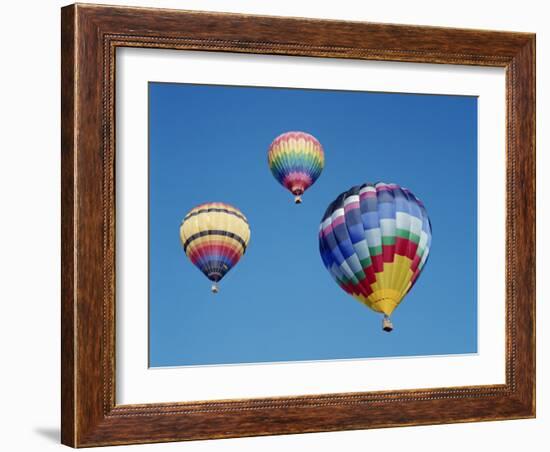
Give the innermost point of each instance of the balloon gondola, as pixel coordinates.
(374, 240)
(214, 237)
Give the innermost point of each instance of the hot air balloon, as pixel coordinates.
(374, 240)
(214, 237)
(296, 160)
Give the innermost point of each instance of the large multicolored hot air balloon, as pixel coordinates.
(374, 240)
(296, 160)
(214, 237)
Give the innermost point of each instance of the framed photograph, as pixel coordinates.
(281, 225)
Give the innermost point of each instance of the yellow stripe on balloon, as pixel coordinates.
(387, 294)
(210, 240)
(214, 221)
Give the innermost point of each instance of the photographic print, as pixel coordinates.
(304, 224)
(276, 225)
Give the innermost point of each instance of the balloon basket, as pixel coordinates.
(387, 326)
(215, 288)
(298, 199)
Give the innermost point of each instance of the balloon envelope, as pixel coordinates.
(296, 160)
(214, 237)
(374, 240)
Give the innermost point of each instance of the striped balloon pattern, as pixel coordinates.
(214, 237)
(296, 160)
(374, 240)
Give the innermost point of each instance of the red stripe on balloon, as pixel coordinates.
(405, 247)
(377, 263)
(215, 248)
(415, 262)
(388, 251)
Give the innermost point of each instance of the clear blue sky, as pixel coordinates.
(209, 143)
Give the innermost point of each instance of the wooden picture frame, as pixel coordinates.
(90, 36)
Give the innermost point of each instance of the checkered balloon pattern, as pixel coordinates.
(375, 239)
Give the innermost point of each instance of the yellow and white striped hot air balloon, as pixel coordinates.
(214, 237)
